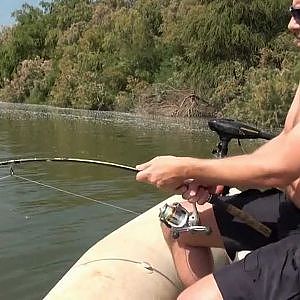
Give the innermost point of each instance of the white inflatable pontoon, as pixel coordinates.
(131, 263)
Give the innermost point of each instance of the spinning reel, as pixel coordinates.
(176, 217)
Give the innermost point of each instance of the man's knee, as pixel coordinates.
(204, 289)
(184, 296)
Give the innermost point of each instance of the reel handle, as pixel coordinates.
(193, 229)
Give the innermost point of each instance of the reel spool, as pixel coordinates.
(178, 219)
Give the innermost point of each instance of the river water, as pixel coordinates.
(44, 231)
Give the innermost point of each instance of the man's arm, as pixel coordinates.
(275, 164)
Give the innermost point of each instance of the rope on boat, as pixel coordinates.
(145, 265)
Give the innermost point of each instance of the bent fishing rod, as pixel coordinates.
(231, 209)
(65, 159)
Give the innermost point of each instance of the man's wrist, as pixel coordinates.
(192, 167)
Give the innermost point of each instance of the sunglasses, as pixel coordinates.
(295, 12)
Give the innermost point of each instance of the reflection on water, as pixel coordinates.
(43, 231)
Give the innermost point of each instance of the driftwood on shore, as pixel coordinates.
(174, 103)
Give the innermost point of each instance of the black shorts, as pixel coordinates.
(272, 270)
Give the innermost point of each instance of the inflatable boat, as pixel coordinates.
(132, 262)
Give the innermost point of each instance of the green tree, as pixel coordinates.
(233, 55)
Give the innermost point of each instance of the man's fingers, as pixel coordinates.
(143, 166)
(196, 193)
(181, 189)
(203, 198)
(219, 189)
(193, 190)
(140, 177)
(147, 164)
(190, 193)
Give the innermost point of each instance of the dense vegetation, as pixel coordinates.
(178, 57)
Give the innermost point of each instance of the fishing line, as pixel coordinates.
(74, 194)
(67, 160)
(2, 178)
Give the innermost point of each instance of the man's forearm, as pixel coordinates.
(275, 164)
(233, 171)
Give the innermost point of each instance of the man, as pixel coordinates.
(272, 269)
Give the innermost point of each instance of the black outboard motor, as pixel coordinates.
(228, 129)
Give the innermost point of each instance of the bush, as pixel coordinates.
(266, 96)
(30, 84)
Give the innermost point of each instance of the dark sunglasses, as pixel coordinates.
(295, 12)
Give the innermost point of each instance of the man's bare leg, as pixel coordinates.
(204, 289)
(191, 252)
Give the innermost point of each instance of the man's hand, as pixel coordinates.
(196, 192)
(169, 173)
(165, 172)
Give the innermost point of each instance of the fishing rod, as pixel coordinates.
(65, 159)
(165, 214)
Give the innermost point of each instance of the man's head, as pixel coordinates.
(294, 25)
